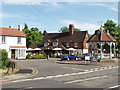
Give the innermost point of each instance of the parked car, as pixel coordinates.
(69, 57)
(85, 56)
(89, 57)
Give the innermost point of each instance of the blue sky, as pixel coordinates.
(51, 16)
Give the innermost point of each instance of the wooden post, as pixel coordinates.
(101, 48)
(110, 50)
(114, 50)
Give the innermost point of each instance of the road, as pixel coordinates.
(53, 75)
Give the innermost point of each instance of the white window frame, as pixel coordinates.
(19, 40)
(67, 44)
(21, 52)
(3, 39)
(45, 44)
(55, 44)
(76, 44)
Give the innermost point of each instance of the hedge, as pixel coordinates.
(42, 56)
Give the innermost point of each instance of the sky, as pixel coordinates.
(51, 16)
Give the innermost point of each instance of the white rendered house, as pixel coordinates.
(14, 42)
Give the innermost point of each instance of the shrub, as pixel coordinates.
(4, 58)
(11, 64)
(42, 56)
(29, 57)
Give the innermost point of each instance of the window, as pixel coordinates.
(21, 52)
(67, 44)
(55, 44)
(3, 39)
(75, 44)
(19, 39)
(45, 44)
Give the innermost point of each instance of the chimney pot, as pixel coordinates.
(10, 26)
(20, 27)
(107, 31)
(71, 29)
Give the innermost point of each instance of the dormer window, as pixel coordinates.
(19, 40)
(55, 44)
(75, 44)
(46, 44)
(67, 44)
(3, 39)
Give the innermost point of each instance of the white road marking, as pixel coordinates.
(96, 68)
(72, 74)
(91, 69)
(114, 67)
(74, 68)
(112, 87)
(86, 70)
(101, 69)
(85, 79)
(117, 66)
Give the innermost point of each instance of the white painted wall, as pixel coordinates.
(79, 50)
(85, 50)
(11, 41)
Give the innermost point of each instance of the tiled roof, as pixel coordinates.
(11, 32)
(17, 46)
(101, 35)
(78, 36)
(50, 46)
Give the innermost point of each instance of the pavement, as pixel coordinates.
(21, 74)
(105, 62)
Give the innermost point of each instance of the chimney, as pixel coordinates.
(20, 27)
(107, 31)
(71, 29)
(10, 26)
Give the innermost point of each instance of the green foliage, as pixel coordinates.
(29, 56)
(42, 56)
(33, 36)
(111, 26)
(66, 29)
(4, 58)
(114, 31)
(44, 32)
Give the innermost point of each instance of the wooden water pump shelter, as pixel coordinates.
(101, 37)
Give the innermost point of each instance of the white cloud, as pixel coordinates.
(39, 1)
(8, 15)
(82, 25)
(21, 2)
(113, 7)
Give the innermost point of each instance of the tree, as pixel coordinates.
(66, 29)
(36, 36)
(114, 30)
(44, 32)
(111, 26)
(116, 34)
(33, 36)
(26, 27)
(27, 32)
